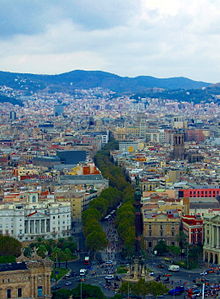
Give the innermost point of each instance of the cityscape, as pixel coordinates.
(109, 149)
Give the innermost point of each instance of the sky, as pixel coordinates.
(161, 38)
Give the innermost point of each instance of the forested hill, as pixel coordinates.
(80, 79)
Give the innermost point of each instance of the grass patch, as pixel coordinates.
(58, 273)
(122, 270)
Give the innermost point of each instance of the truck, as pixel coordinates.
(174, 268)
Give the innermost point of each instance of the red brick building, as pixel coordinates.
(193, 229)
(205, 192)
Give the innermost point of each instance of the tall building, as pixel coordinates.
(12, 115)
(178, 145)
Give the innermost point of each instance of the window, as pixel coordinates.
(8, 293)
(39, 291)
(20, 292)
(149, 244)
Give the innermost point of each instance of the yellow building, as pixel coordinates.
(160, 227)
(27, 278)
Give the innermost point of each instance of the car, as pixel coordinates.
(167, 275)
(174, 292)
(151, 273)
(209, 271)
(109, 277)
(109, 262)
(203, 273)
(68, 283)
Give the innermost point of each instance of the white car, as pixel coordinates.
(204, 273)
(109, 277)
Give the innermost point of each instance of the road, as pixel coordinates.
(96, 273)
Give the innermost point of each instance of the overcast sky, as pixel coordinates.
(161, 38)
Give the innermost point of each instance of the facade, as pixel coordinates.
(193, 229)
(178, 146)
(211, 246)
(160, 227)
(201, 192)
(33, 219)
(27, 278)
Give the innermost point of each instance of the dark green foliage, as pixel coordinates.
(62, 294)
(7, 259)
(88, 291)
(161, 248)
(9, 246)
(142, 288)
(61, 250)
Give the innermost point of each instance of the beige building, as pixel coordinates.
(211, 247)
(28, 278)
(79, 201)
(160, 227)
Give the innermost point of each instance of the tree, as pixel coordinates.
(42, 250)
(88, 291)
(156, 288)
(61, 294)
(96, 240)
(141, 288)
(9, 246)
(161, 247)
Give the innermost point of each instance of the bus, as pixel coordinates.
(86, 260)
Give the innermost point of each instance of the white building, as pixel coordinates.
(33, 219)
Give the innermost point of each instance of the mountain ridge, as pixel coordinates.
(91, 79)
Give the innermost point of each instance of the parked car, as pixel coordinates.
(109, 277)
(178, 290)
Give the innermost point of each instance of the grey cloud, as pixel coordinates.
(33, 16)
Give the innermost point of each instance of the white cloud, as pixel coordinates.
(138, 37)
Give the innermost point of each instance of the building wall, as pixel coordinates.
(211, 247)
(28, 281)
(212, 192)
(156, 229)
(27, 222)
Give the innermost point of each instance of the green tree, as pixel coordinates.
(96, 241)
(7, 259)
(9, 246)
(156, 288)
(88, 291)
(161, 247)
(42, 250)
(62, 294)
